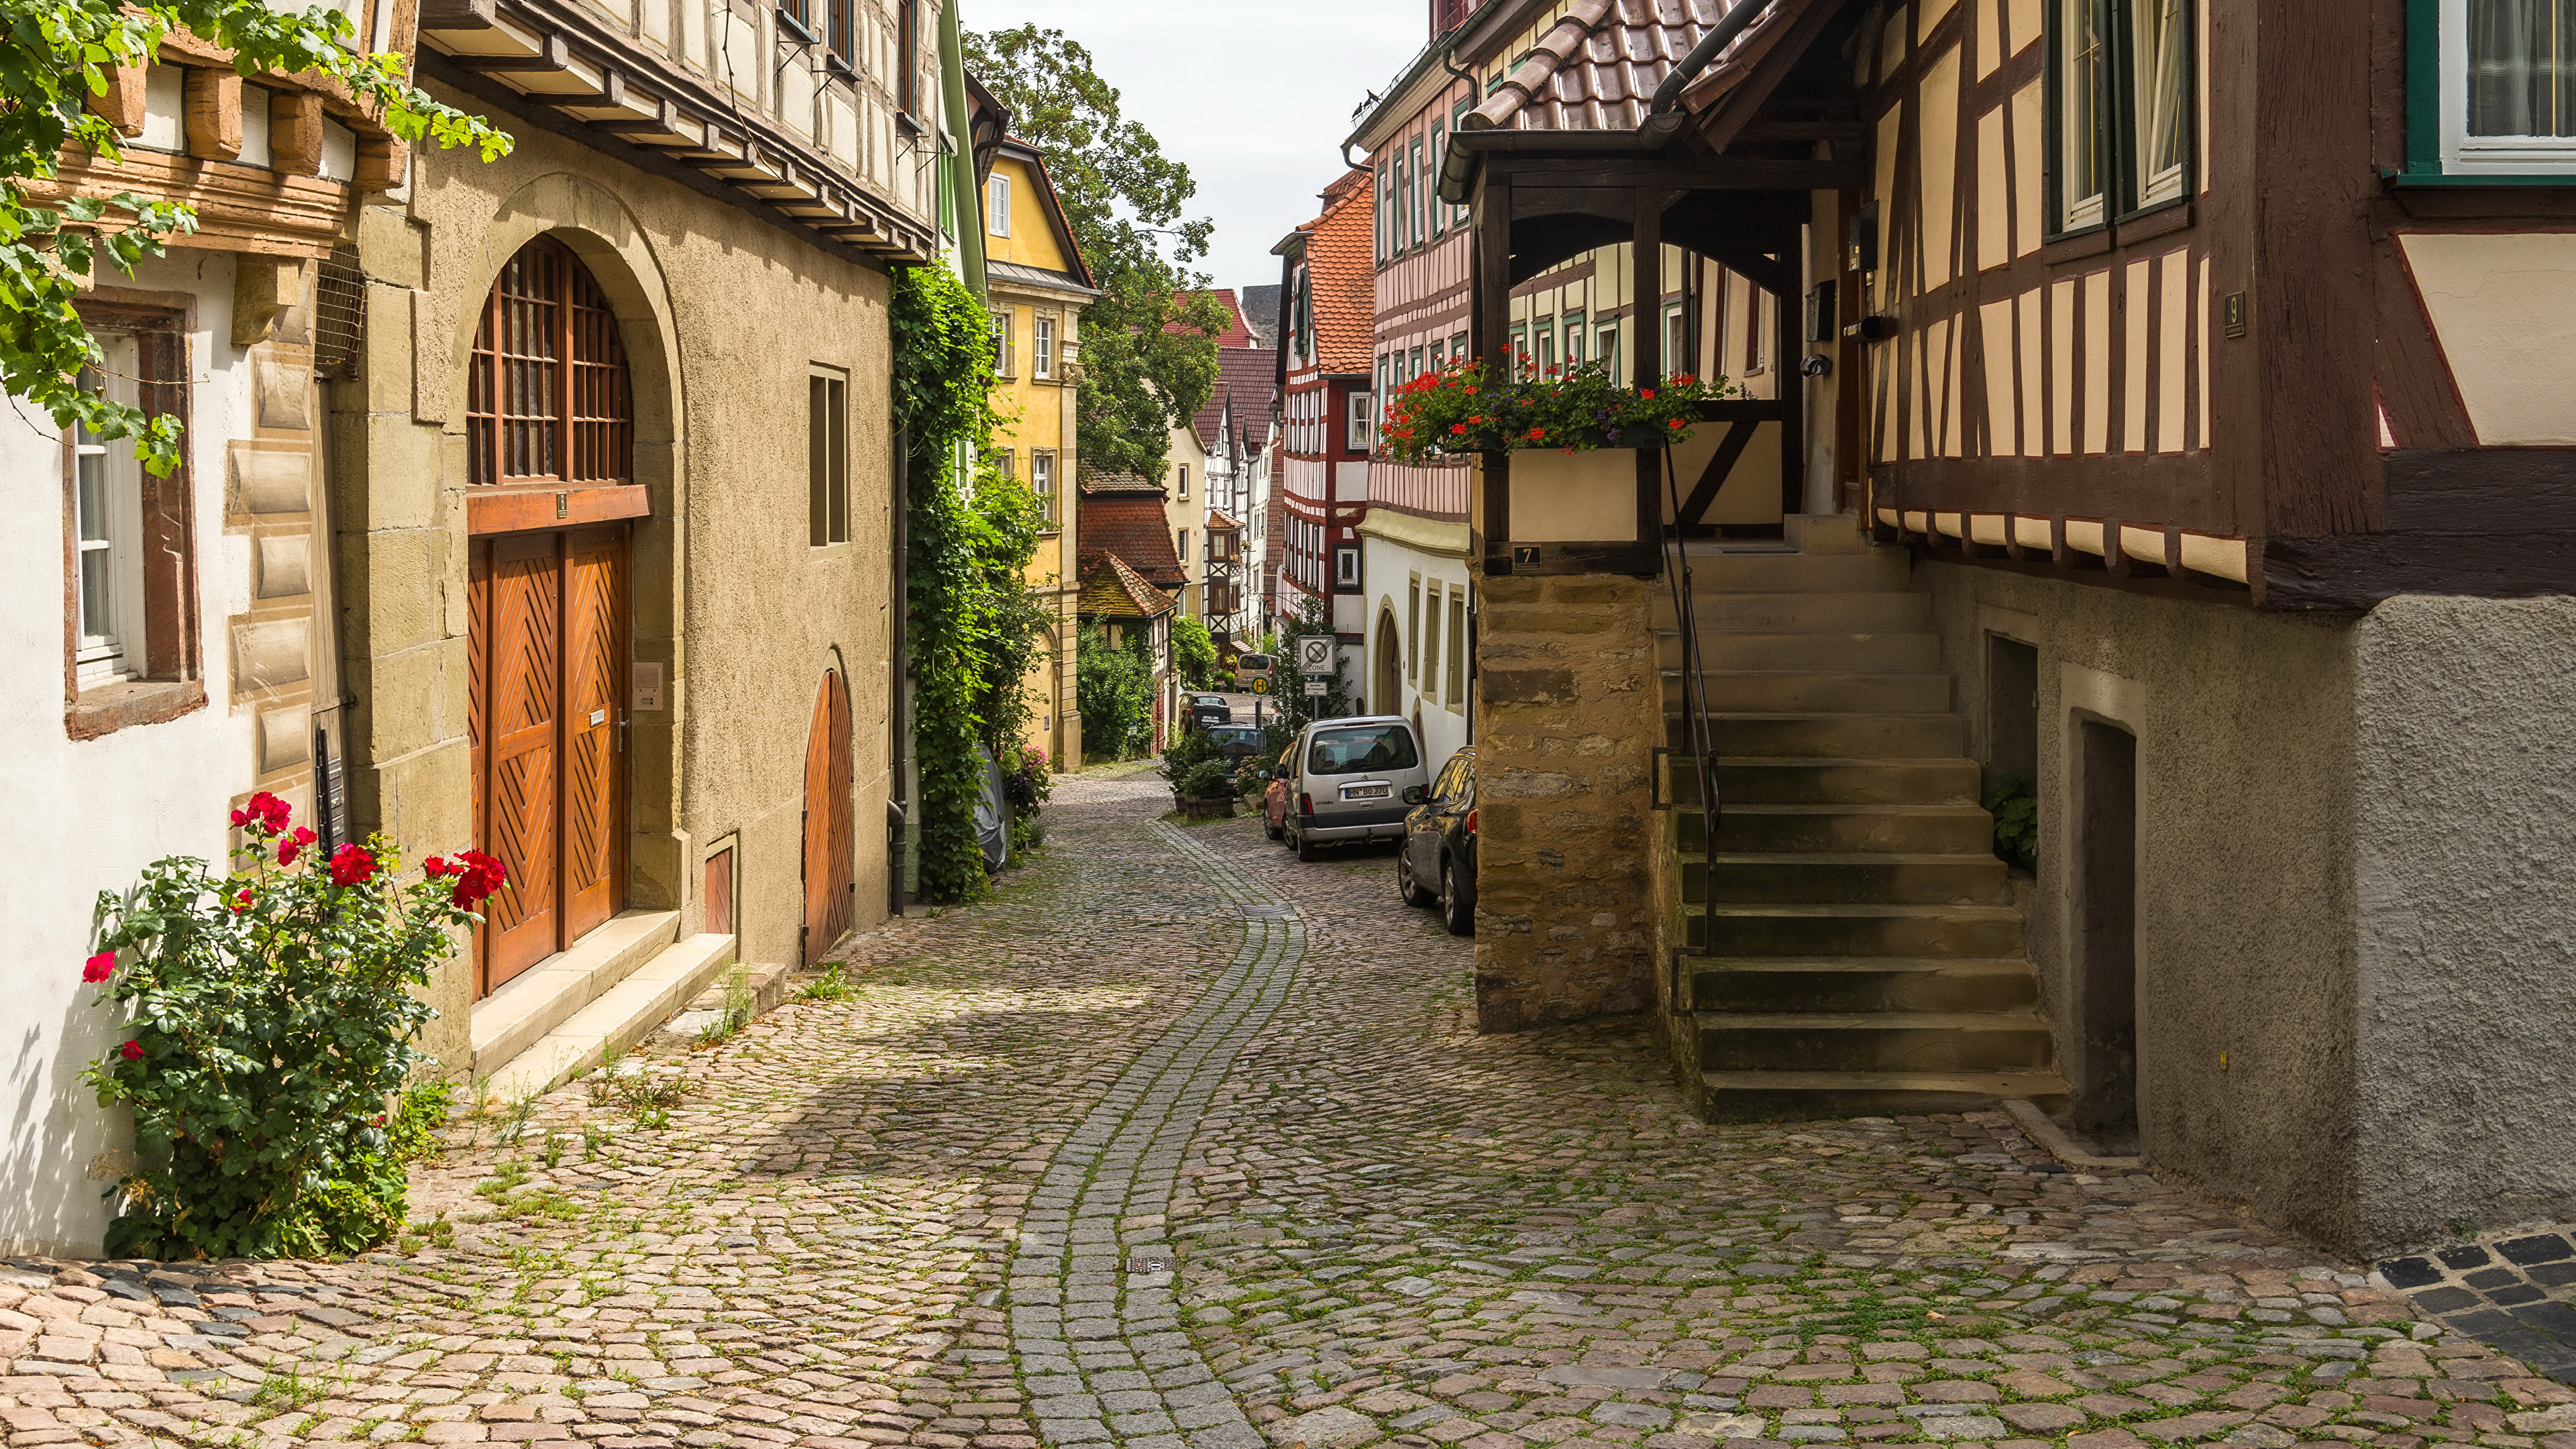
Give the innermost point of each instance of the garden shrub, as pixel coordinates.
(270, 1020)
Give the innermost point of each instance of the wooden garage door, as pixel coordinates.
(547, 615)
(828, 836)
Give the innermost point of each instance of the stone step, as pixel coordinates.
(1862, 878)
(1858, 653)
(1800, 573)
(1809, 691)
(1862, 983)
(1850, 611)
(1864, 928)
(1829, 735)
(1825, 533)
(1840, 829)
(618, 1019)
(538, 1000)
(1866, 1041)
(1795, 1096)
(1788, 780)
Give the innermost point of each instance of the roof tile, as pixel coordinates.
(1131, 525)
(1597, 68)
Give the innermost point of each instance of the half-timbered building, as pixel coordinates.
(1326, 408)
(2164, 447)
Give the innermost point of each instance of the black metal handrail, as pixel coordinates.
(1702, 739)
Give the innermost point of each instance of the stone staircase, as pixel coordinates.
(1861, 952)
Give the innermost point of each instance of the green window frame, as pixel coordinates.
(2122, 111)
(2439, 94)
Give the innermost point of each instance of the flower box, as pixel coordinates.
(1580, 409)
(1213, 807)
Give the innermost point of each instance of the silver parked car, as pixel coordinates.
(1350, 780)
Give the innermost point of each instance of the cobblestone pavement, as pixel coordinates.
(1179, 1144)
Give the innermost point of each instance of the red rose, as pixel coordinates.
(477, 876)
(241, 902)
(352, 865)
(433, 866)
(99, 967)
(132, 1051)
(266, 811)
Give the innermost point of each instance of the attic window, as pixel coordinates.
(997, 206)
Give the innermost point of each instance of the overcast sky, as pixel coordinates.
(1255, 99)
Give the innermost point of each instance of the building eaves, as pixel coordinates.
(1597, 68)
(1046, 278)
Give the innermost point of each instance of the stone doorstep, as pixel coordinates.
(2054, 1141)
(511, 1020)
(620, 1017)
(769, 989)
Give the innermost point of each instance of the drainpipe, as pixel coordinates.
(961, 164)
(1663, 119)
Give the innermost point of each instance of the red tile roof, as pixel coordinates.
(1103, 483)
(1246, 374)
(1111, 588)
(1597, 68)
(1217, 521)
(1341, 267)
(1131, 525)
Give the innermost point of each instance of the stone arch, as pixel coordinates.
(1386, 662)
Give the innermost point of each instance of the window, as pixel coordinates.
(1362, 749)
(1458, 346)
(907, 59)
(1002, 348)
(2508, 85)
(1363, 422)
(1042, 483)
(1458, 123)
(1573, 340)
(1431, 651)
(1385, 209)
(1399, 236)
(1545, 359)
(1605, 345)
(997, 205)
(1520, 351)
(1042, 348)
(827, 452)
(2105, 163)
(1412, 626)
(1183, 495)
(1417, 203)
(1431, 182)
(107, 530)
(1006, 462)
(1181, 544)
(1677, 349)
(839, 36)
(1457, 699)
(1346, 566)
(546, 396)
(1415, 370)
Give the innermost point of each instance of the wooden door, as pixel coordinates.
(545, 725)
(828, 832)
(594, 614)
(522, 796)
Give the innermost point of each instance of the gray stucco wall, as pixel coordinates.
(2467, 916)
(2245, 931)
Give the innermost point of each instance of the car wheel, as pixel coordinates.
(1405, 890)
(1306, 849)
(1456, 911)
(1273, 831)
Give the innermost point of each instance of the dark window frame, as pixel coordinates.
(2116, 148)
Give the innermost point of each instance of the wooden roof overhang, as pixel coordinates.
(1542, 197)
(566, 68)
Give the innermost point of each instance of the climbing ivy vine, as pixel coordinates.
(974, 630)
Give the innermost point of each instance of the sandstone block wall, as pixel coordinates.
(1568, 712)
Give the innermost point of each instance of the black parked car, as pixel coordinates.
(1239, 742)
(1440, 845)
(1209, 709)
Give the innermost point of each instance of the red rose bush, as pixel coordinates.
(268, 1016)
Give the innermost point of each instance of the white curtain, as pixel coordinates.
(2522, 58)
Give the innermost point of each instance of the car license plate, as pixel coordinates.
(1365, 792)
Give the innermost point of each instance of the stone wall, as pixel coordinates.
(1568, 710)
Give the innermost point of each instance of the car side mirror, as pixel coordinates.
(1415, 794)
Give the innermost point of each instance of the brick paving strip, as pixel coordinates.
(1093, 1319)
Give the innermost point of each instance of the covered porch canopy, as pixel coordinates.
(1753, 112)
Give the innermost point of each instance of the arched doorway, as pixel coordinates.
(1389, 672)
(828, 823)
(550, 438)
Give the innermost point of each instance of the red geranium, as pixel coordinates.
(352, 865)
(99, 967)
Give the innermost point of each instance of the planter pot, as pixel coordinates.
(1560, 497)
(1212, 807)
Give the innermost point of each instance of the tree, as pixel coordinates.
(1193, 650)
(1296, 707)
(1149, 340)
(1114, 690)
(54, 55)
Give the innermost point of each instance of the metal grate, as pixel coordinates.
(339, 314)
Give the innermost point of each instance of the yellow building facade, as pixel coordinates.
(1036, 284)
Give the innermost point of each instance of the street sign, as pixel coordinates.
(1316, 686)
(1315, 655)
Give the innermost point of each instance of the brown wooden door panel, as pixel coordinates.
(828, 820)
(478, 668)
(522, 798)
(594, 610)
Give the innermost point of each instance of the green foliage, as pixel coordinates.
(417, 1117)
(1149, 339)
(2014, 803)
(1025, 788)
(270, 1015)
(975, 629)
(1114, 690)
(1460, 409)
(54, 55)
(1193, 749)
(1193, 651)
(1288, 689)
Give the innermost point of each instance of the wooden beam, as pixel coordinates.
(553, 53)
(515, 508)
(382, 161)
(1491, 302)
(295, 132)
(121, 105)
(212, 106)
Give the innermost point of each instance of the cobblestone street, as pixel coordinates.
(1180, 1144)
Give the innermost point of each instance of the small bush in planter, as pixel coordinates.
(1206, 780)
(270, 1021)
(1460, 409)
(1195, 747)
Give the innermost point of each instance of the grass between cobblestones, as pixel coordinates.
(1383, 1229)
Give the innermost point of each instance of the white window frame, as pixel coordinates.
(997, 205)
(1363, 421)
(1042, 480)
(1042, 348)
(1346, 566)
(107, 645)
(2093, 208)
(2156, 188)
(1003, 343)
(1181, 545)
(1182, 495)
(2485, 155)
